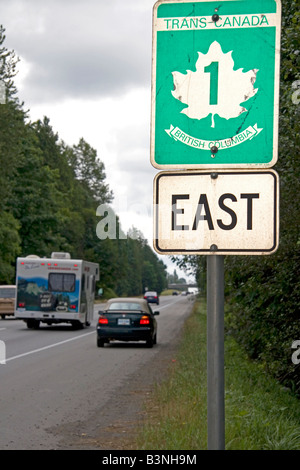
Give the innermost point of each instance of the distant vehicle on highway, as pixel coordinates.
(127, 319)
(151, 297)
(7, 300)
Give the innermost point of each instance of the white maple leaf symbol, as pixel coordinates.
(215, 88)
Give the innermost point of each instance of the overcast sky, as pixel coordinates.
(86, 64)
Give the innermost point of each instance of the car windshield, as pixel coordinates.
(151, 293)
(124, 306)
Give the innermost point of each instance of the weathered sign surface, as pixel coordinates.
(215, 84)
(221, 212)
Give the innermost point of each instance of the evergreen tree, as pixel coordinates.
(90, 171)
(11, 133)
(49, 194)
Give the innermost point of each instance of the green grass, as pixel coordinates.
(259, 412)
(167, 292)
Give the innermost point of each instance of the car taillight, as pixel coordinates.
(73, 307)
(145, 320)
(103, 321)
(21, 304)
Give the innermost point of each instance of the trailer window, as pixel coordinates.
(59, 282)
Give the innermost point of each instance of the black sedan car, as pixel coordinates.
(127, 319)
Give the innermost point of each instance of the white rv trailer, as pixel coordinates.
(55, 290)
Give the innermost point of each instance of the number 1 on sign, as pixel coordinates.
(213, 69)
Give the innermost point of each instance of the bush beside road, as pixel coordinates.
(260, 413)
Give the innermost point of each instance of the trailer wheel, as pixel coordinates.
(33, 324)
(77, 325)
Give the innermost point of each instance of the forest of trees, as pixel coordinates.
(263, 292)
(49, 195)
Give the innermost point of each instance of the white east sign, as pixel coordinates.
(216, 212)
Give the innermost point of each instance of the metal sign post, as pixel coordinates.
(215, 353)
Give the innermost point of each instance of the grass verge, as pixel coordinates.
(259, 413)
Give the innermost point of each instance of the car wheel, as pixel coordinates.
(100, 343)
(155, 339)
(150, 342)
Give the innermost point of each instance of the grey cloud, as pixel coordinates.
(81, 49)
(81, 75)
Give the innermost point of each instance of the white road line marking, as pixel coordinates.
(67, 340)
(167, 305)
(48, 347)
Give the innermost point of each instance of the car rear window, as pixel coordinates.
(124, 306)
(7, 292)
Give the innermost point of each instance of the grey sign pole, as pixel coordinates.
(215, 353)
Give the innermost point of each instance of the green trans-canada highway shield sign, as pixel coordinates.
(215, 84)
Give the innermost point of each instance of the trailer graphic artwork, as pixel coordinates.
(55, 290)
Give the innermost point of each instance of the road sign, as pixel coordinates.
(216, 212)
(215, 84)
